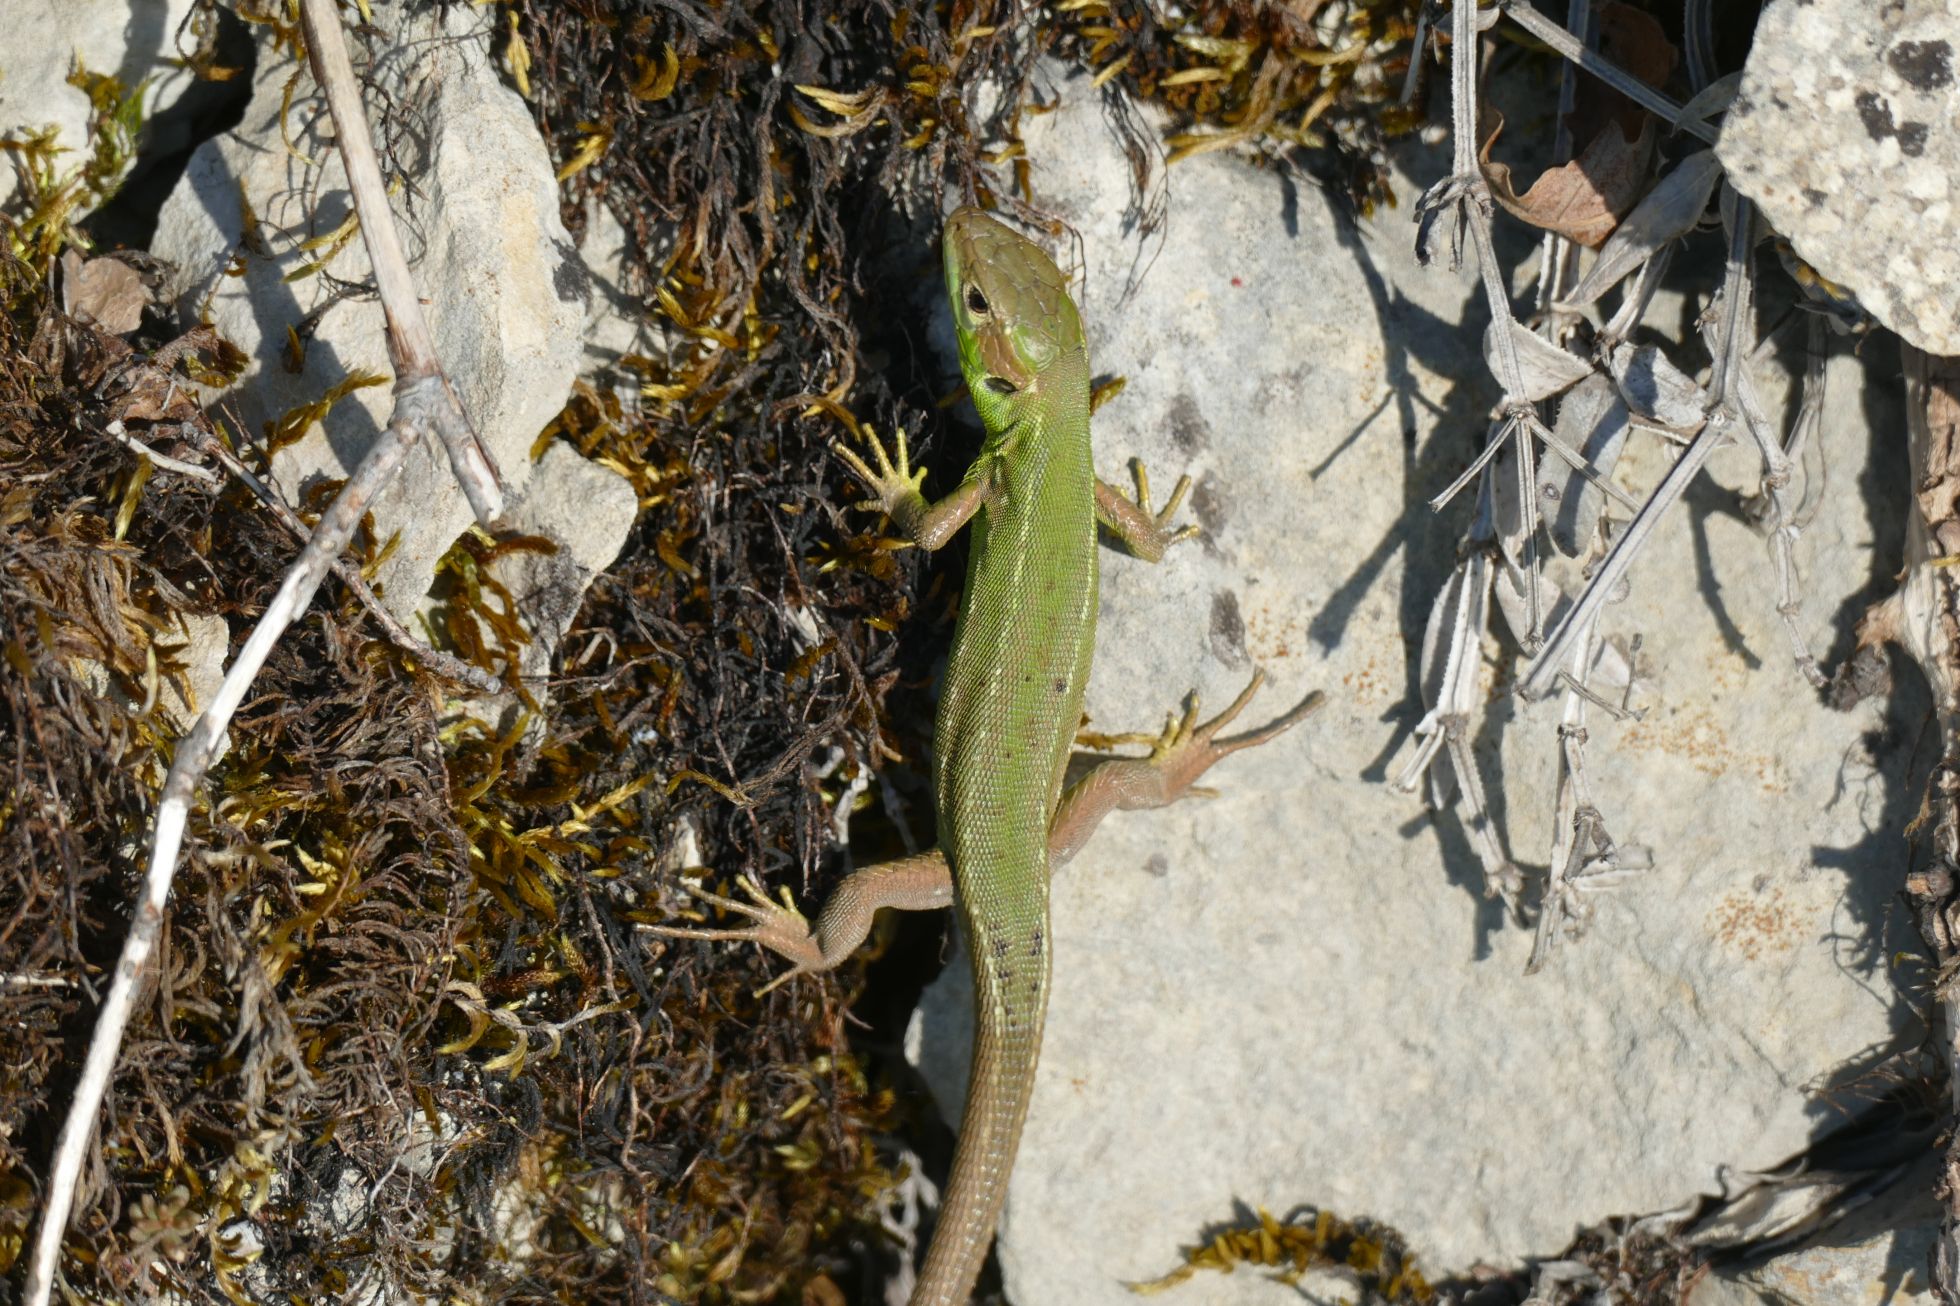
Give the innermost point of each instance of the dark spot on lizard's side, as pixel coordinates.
(1208, 506)
(1061, 686)
(1925, 65)
(569, 280)
(1034, 944)
(998, 945)
(1876, 114)
(1227, 629)
(1189, 430)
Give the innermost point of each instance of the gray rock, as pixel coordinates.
(191, 665)
(1294, 993)
(1880, 1255)
(1883, 1267)
(506, 296)
(617, 325)
(1847, 133)
(46, 40)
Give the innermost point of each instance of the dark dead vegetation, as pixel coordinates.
(404, 1032)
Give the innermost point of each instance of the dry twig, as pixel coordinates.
(1502, 553)
(423, 402)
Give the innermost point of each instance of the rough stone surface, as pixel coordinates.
(1847, 132)
(1878, 1256)
(506, 296)
(618, 325)
(46, 39)
(190, 652)
(1294, 993)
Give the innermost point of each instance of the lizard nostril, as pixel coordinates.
(1000, 385)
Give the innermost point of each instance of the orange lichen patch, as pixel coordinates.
(1693, 734)
(1376, 682)
(1757, 925)
(1270, 632)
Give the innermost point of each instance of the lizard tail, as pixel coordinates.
(1010, 1005)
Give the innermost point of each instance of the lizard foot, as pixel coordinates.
(1145, 533)
(1186, 749)
(782, 929)
(889, 485)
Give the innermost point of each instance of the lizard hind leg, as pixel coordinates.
(917, 883)
(780, 928)
(1184, 751)
(1187, 750)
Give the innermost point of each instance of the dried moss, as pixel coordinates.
(1373, 1255)
(1260, 78)
(406, 1033)
(300, 931)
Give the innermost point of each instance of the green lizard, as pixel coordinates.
(1009, 706)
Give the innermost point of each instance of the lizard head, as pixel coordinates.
(1011, 311)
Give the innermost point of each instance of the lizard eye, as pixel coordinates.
(1000, 385)
(976, 302)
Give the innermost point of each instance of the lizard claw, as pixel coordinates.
(1187, 749)
(1145, 533)
(776, 926)
(889, 485)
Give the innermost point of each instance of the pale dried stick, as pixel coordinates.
(1771, 508)
(1731, 341)
(423, 402)
(1584, 857)
(1569, 47)
(164, 462)
(1547, 670)
(411, 349)
(1571, 797)
(443, 664)
(1443, 750)
(1559, 257)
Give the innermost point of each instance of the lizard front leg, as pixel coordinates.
(898, 492)
(1146, 534)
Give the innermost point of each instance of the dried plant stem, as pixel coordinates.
(1928, 626)
(1545, 672)
(443, 664)
(411, 349)
(423, 402)
(162, 461)
(1574, 795)
(1569, 47)
(1731, 339)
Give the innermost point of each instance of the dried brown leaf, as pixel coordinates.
(106, 291)
(1585, 199)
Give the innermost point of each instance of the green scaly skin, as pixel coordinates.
(1009, 707)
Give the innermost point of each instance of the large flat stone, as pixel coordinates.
(1295, 993)
(505, 293)
(1847, 132)
(132, 40)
